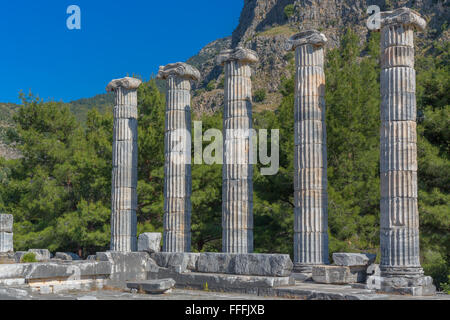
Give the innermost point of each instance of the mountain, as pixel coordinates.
(265, 25)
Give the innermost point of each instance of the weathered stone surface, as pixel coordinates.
(222, 282)
(152, 286)
(149, 242)
(126, 83)
(310, 157)
(6, 223)
(373, 269)
(399, 215)
(179, 261)
(404, 285)
(338, 274)
(177, 169)
(124, 173)
(275, 265)
(54, 270)
(179, 69)
(6, 242)
(41, 254)
(353, 259)
(69, 256)
(237, 191)
(126, 266)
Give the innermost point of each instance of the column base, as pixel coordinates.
(303, 268)
(405, 281)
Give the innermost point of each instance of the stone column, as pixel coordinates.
(6, 233)
(237, 172)
(400, 265)
(125, 160)
(310, 156)
(177, 169)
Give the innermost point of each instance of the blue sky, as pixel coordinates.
(39, 53)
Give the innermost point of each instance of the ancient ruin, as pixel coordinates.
(6, 233)
(177, 169)
(400, 265)
(124, 174)
(133, 267)
(310, 157)
(237, 176)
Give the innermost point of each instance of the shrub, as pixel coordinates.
(260, 95)
(28, 257)
(211, 85)
(289, 10)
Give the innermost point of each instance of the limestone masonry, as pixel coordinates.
(310, 156)
(124, 174)
(237, 172)
(400, 265)
(177, 169)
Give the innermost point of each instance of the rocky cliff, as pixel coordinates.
(265, 25)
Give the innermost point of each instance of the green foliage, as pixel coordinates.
(29, 257)
(289, 10)
(260, 95)
(211, 85)
(433, 85)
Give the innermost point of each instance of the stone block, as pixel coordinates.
(67, 256)
(6, 223)
(126, 266)
(152, 286)
(338, 274)
(221, 282)
(180, 261)
(275, 265)
(149, 242)
(41, 254)
(353, 259)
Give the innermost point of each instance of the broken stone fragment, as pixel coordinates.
(353, 259)
(373, 269)
(338, 274)
(177, 261)
(149, 242)
(68, 256)
(152, 286)
(275, 265)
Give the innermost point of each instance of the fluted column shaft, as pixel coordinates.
(237, 170)
(310, 156)
(177, 182)
(177, 168)
(399, 209)
(124, 172)
(6, 233)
